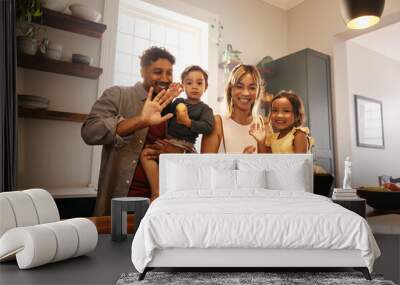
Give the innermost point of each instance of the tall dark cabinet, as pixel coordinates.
(307, 73)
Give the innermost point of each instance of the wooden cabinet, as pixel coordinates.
(307, 73)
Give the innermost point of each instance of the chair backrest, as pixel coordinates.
(395, 180)
(26, 208)
(383, 179)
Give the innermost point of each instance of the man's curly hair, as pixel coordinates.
(153, 54)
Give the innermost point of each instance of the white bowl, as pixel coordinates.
(53, 51)
(53, 54)
(54, 46)
(57, 5)
(85, 12)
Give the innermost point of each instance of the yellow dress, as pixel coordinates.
(285, 144)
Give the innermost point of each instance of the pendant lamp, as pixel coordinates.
(361, 14)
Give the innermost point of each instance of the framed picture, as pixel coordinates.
(369, 122)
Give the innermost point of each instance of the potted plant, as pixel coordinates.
(27, 40)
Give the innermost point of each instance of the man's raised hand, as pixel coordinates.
(151, 112)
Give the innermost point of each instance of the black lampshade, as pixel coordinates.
(361, 14)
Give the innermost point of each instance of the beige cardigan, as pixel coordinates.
(120, 155)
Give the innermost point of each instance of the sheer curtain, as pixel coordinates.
(8, 99)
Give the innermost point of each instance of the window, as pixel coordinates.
(142, 25)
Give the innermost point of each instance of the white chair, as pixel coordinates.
(31, 230)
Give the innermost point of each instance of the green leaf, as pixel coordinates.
(37, 13)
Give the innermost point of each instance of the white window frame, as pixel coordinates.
(168, 19)
(108, 51)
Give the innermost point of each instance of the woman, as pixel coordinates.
(231, 132)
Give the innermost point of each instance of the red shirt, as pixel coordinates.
(140, 186)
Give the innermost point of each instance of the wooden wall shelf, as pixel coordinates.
(51, 115)
(58, 66)
(70, 23)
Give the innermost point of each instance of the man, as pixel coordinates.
(123, 120)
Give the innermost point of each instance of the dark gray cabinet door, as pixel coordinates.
(319, 108)
(289, 73)
(307, 73)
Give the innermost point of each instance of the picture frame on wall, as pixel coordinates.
(369, 122)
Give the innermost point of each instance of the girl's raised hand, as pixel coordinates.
(268, 128)
(258, 130)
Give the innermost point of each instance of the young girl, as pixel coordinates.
(287, 134)
(191, 118)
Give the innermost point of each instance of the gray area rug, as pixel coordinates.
(270, 278)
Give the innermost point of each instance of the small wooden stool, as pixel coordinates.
(119, 208)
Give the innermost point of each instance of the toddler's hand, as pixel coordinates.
(182, 116)
(174, 89)
(150, 153)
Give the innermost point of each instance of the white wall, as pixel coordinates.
(315, 24)
(52, 153)
(254, 27)
(375, 76)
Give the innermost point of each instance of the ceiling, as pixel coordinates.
(284, 4)
(385, 41)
